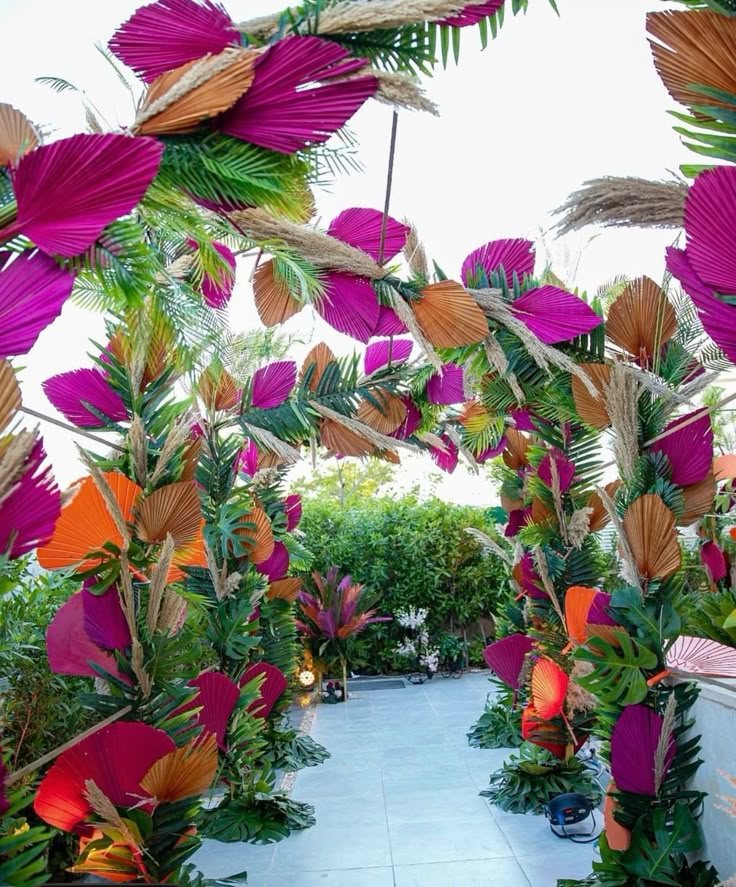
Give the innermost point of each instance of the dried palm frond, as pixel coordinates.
(592, 409)
(274, 302)
(626, 202)
(515, 456)
(448, 316)
(319, 357)
(344, 441)
(411, 322)
(174, 510)
(360, 430)
(641, 319)
(499, 362)
(18, 135)
(698, 500)
(385, 418)
(649, 527)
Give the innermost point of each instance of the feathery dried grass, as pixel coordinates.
(138, 450)
(473, 466)
(629, 570)
(540, 562)
(401, 91)
(622, 397)
(107, 494)
(660, 754)
(217, 574)
(172, 611)
(578, 527)
(578, 699)
(178, 269)
(175, 439)
(142, 676)
(106, 810)
(415, 254)
(489, 543)
(13, 460)
(378, 440)
(406, 316)
(625, 202)
(273, 444)
(157, 585)
(498, 360)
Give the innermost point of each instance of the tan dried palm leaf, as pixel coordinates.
(218, 389)
(339, 439)
(698, 500)
(641, 319)
(650, 529)
(386, 418)
(448, 316)
(173, 510)
(515, 455)
(319, 357)
(286, 589)
(592, 410)
(183, 773)
(599, 516)
(274, 302)
(18, 135)
(256, 535)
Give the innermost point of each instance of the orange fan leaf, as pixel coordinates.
(517, 446)
(190, 459)
(286, 589)
(448, 316)
(218, 390)
(650, 529)
(388, 417)
(184, 773)
(724, 467)
(257, 536)
(599, 516)
(541, 514)
(18, 136)
(698, 500)
(10, 399)
(318, 357)
(641, 319)
(193, 554)
(274, 302)
(171, 510)
(592, 410)
(179, 100)
(578, 600)
(86, 524)
(549, 689)
(617, 836)
(339, 439)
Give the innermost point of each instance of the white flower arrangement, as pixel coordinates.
(417, 646)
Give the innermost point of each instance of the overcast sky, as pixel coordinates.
(550, 103)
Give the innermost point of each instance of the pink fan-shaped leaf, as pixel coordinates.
(216, 700)
(528, 579)
(447, 386)
(293, 511)
(388, 351)
(518, 519)
(33, 290)
(554, 315)
(30, 511)
(634, 744)
(217, 289)
(104, 620)
(273, 383)
(69, 648)
(68, 191)
(271, 689)
(362, 228)
(275, 566)
(71, 393)
(167, 34)
(690, 450)
(412, 421)
(523, 420)
(718, 318)
(445, 459)
(349, 305)
(388, 323)
(515, 255)
(710, 223)
(115, 758)
(505, 658)
(492, 452)
(565, 470)
(714, 561)
(247, 460)
(289, 105)
(471, 15)
(598, 613)
(701, 656)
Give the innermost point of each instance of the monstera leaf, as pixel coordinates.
(618, 669)
(660, 860)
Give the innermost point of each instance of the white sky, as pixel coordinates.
(550, 103)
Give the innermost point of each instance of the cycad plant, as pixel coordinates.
(337, 610)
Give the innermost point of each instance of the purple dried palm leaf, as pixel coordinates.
(104, 620)
(714, 561)
(518, 519)
(598, 613)
(689, 450)
(515, 255)
(388, 351)
(565, 470)
(710, 223)
(247, 459)
(33, 290)
(273, 384)
(447, 386)
(445, 459)
(491, 452)
(523, 420)
(270, 690)
(167, 34)
(30, 511)
(349, 305)
(634, 742)
(275, 566)
(70, 649)
(529, 580)
(554, 315)
(412, 421)
(293, 511)
(67, 192)
(472, 15)
(217, 289)
(388, 323)
(73, 392)
(289, 105)
(362, 228)
(506, 657)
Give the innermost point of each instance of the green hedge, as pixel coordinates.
(414, 555)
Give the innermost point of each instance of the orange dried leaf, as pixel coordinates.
(650, 529)
(448, 316)
(171, 510)
(274, 302)
(641, 319)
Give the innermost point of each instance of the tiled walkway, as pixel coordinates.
(397, 804)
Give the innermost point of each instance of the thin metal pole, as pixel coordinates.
(387, 204)
(100, 440)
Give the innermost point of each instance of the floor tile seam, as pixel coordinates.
(388, 831)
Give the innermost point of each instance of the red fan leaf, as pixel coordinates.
(506, 658)
(271, 689)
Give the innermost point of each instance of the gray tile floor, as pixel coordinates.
(397, 804)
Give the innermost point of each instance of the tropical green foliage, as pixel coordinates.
(500, 724)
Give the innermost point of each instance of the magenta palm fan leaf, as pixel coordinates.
(30, 511)
(349, 305)
(33, 290)
(714, 561)
(289, 104)
(513, 255)
(411, 422)
(270, 690)
(710, 223)
(689, 449)
(634, 743)
(361, 227)
(293, 511)
(275, 566)
(104, 620)
(700, 656)
(80, 395)
(447, 386)
(554, 315)
(471, 15)
(215, 700)
(272, 384)
(217, 289)
(167, 34)
(446, 458)
(388, 323)
(380, 354)
(518, 519)
(565, 470)
(505, 658)
(67, 192)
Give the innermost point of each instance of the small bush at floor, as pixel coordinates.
(498, 727)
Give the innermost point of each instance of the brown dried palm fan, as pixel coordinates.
(592, 410)
(515, 455)
(599, 517)
(190, 459)
(698, 500)
(650, 529)
(173, 510)
(695, 47)
(641, 319)
(267, 459)
(386, 418)
(339, 439)
(218, 390)
(508, 504)
(10, 400)
(286, 589)
(178, 101)
(274, 302)
(448, 316)
(541, 514)
(319, 357)
(18, 136)
(474, 417)
(256, 535)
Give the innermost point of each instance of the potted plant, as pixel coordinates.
(416, 645)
